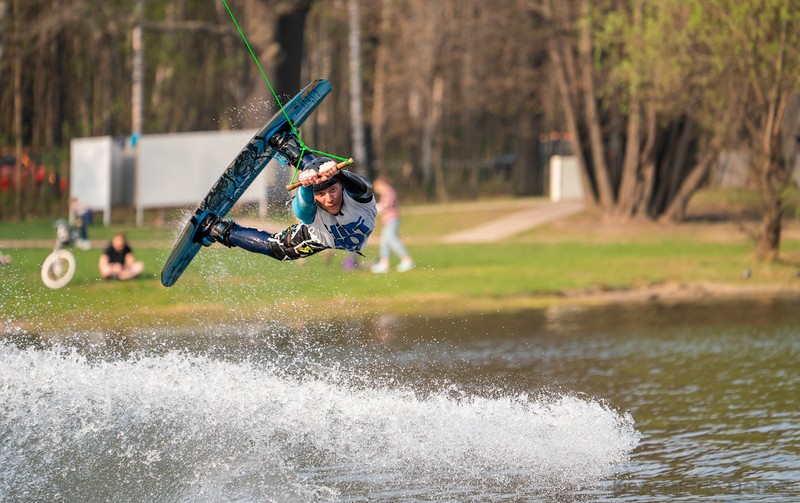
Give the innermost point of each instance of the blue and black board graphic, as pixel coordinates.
(240, 174)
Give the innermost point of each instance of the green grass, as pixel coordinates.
(536, 269)
(44, 230)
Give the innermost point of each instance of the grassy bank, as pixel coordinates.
(570, 261)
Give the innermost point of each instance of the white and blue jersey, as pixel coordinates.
(347, 230)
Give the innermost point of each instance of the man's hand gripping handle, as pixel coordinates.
(341, 165)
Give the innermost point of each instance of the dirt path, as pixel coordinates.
(515, 223)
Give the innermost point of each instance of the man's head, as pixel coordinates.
(329, 198)
(327, 194)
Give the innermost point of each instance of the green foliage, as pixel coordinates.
(648, 50)
(752, 55)
(698, 57)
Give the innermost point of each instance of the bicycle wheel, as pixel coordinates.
(58, 269)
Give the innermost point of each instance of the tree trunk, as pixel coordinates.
(3, 27)
(596, 145)
(379, 89)
(259, 25)
(773, 178)
(774, 171)
(137, 73)
(41, 75)
(525, 164)
(671, 164)
(290, 37)
(430, 149)
(769, 238)
(648, 165)
(237, 87)
(676, 210)
(359, 143)
(564, 70)
(53, 117)
(18, 110)
(435, 137)
(630, 180)
(471, 133)
(422, 109)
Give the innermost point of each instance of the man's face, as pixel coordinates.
(330, 199)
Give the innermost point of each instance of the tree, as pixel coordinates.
(640, 152)
(453, 82)
(749, 91)
(446, 87)
(653, 91)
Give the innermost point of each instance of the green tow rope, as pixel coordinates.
(275, 95)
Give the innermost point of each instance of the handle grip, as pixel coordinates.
(341, 165)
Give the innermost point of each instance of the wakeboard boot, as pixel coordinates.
(212, 229)
(287, 144)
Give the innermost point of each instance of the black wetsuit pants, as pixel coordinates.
(289, 244)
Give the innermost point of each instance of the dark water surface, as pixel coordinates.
(639, 403)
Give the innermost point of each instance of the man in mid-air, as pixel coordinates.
(336, 209)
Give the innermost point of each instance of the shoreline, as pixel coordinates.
(444, 306)
(686, 292)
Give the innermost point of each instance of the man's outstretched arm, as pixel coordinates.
(303, 205)
(357, 186)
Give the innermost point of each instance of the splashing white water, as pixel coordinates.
(179, 427)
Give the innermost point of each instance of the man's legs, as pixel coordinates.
(253, 240)
(292, 243)
(231, 234)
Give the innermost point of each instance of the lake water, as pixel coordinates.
(640, 403)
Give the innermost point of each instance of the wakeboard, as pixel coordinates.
(240, 174)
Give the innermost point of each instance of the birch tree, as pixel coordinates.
(359, 140)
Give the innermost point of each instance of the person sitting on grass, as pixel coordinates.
(118, 262)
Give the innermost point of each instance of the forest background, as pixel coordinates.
(453, 99)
